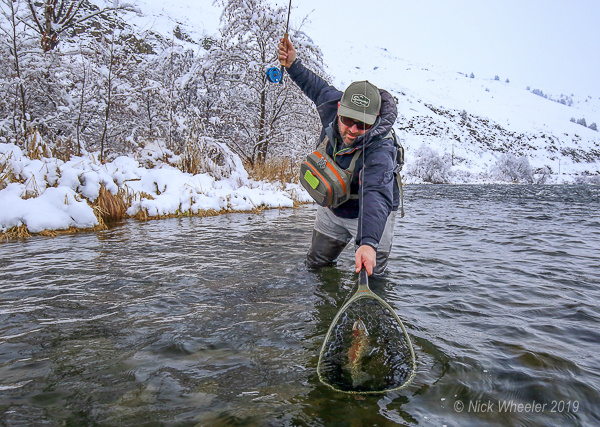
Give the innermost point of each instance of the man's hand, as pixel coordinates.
(365, 255)
(286, 52)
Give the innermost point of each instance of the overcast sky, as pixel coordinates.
(553, 45)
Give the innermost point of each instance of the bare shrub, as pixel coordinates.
(513, 169)
(206, 155)
(429, 166)
(276, 170)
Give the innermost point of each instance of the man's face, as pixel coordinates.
(351, 129)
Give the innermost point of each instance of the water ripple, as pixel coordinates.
(216, 321)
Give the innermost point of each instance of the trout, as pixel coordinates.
(359, 348)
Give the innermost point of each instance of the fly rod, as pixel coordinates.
(285, 37)
(274, 74)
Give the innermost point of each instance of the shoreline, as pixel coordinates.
(21, 233)
(105, 217)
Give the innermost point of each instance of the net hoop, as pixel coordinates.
(367, 294)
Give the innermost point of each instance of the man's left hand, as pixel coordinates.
(365, 256)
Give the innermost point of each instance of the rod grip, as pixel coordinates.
(285, 39)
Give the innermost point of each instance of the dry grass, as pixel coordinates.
(279, 169)
(204, 155)
(36, 147)
(6, 174)
(110, 207)
(64, 149)
(15, 233)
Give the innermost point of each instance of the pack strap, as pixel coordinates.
(352, 166)
(400, 187)
(398, 169)
(351, 169)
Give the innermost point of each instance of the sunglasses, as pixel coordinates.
(347, 121)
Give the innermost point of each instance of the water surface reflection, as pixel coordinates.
(216, 320)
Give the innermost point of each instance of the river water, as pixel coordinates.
(216, 321)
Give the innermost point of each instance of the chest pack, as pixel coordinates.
(328, 184)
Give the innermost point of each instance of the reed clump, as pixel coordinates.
(206, 155)
(65, 148)
(15, 233)
(6, 173)
(36, 146)
(111, 207)
(275, 170)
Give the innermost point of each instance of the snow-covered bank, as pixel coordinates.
(51, 194)
(43, 194)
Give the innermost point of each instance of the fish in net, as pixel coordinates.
(367, 348)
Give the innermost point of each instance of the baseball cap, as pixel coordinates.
(361, 101)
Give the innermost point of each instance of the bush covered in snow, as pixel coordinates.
(510, 168)
(428, 166)
(106, 85)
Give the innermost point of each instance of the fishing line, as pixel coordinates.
(361, 181)
(367, 349)
(285, 37)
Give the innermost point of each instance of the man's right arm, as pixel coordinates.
(316, 88)
(312, 85)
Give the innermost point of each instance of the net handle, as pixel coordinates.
(363, 280)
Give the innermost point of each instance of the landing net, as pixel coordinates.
(367, 349)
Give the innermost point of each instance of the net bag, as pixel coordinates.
(366, 349)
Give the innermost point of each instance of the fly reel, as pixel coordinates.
(274, 75)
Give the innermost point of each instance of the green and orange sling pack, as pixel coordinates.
(328, 184)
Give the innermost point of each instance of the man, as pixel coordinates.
(358, 119)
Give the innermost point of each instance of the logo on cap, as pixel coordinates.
(360, 100)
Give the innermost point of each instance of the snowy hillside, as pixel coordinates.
(479, 118)
(162, 159)
(469, 122)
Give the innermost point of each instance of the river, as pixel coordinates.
(216, 321)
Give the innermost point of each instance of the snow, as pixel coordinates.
(511, 38)
(197, 18)
(50, 194)
(54, 209)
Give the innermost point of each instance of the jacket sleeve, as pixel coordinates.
(376, 193)
(317, 89)
(377, 188)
